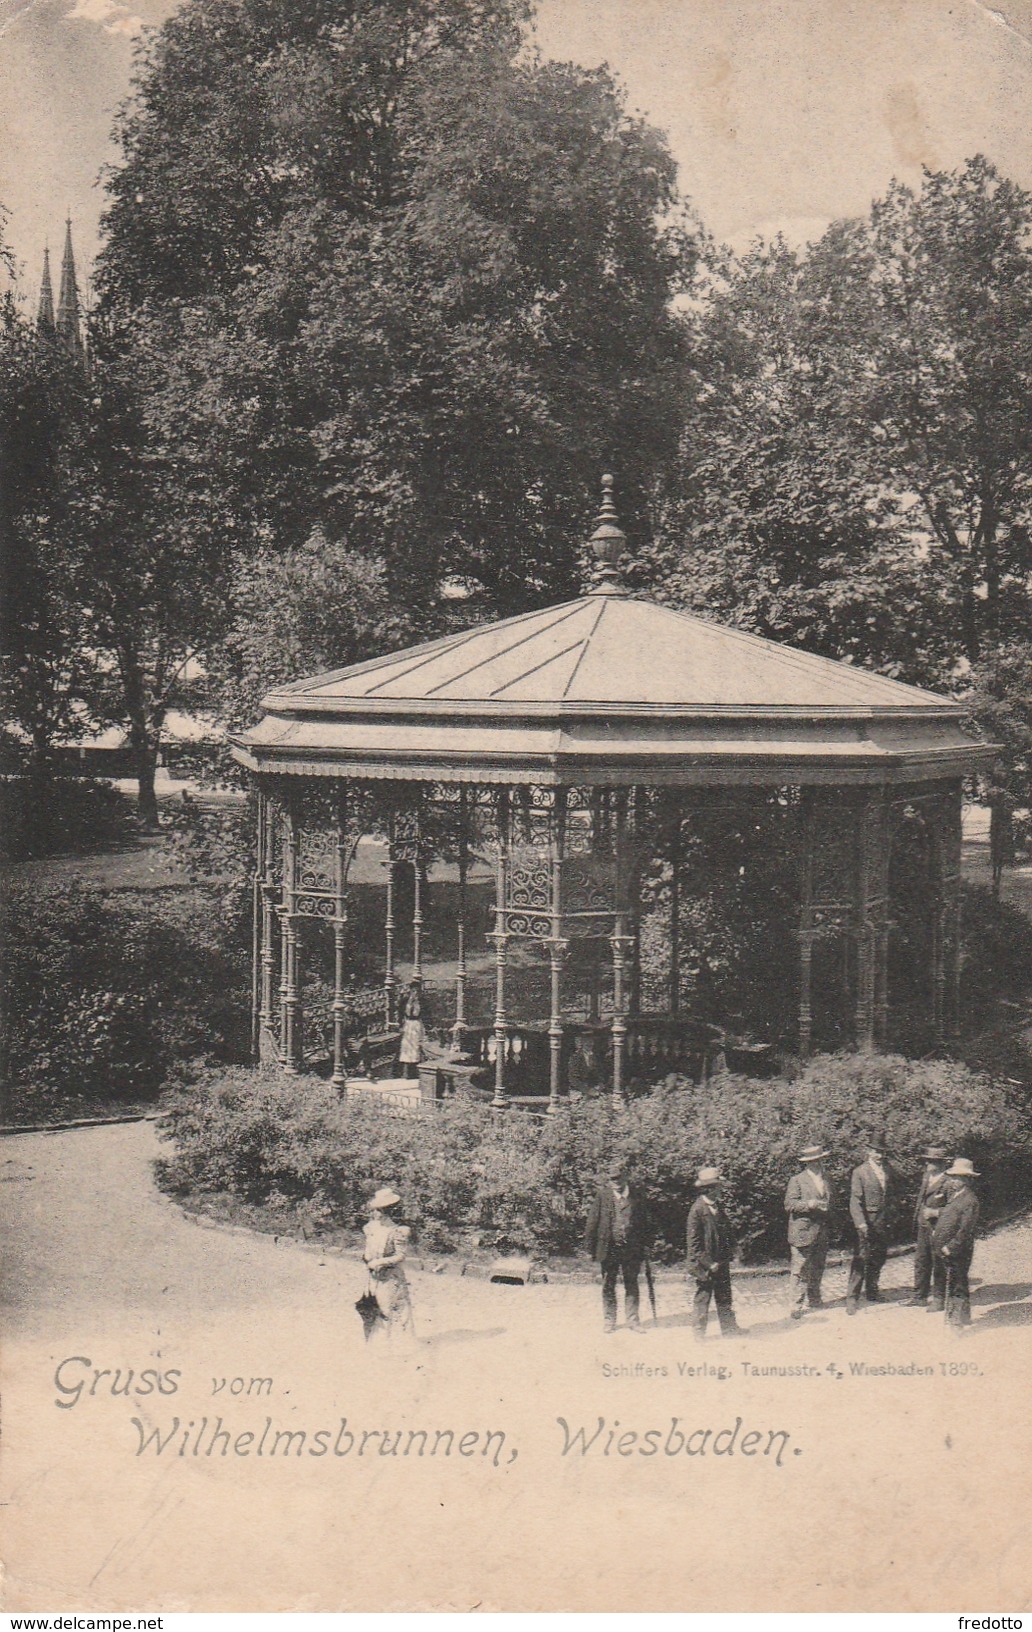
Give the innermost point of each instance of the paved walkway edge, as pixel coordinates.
(541, 1272)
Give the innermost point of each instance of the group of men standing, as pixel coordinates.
(945, 1221)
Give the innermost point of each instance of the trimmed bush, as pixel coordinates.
(997, 953)
(468, 1174)
(104, 997)
(62, 814)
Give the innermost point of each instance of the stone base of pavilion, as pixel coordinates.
(391, 1090)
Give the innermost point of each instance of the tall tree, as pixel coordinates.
(412, 287)
(45, 667)
(858, 469)
(151, 550)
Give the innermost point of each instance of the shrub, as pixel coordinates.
(104, 996)
(997, 952)
(65, 813)
(518, 1181)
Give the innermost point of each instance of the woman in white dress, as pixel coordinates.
(413, 1033)
(386, 1245)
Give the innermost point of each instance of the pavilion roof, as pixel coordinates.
(606, 652)
(609, 688)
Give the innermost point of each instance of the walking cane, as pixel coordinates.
(650, 1284)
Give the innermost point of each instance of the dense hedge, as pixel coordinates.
(997, 953)
(62, 814)
(105, 996)
(514, 1180)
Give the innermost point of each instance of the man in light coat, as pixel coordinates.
(711, 1247)
(872, 1195)
(953, 1241)
(808, 1203)
(929, 1272)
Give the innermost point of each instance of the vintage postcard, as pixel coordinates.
(518, 886)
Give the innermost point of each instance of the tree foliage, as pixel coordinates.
(1000, 704)
(45, 669)
(295, 612)
(857, 474)
(411, 285)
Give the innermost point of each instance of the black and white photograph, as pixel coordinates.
(516, 904)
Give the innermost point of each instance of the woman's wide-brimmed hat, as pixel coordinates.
(962, 1169)
(385, 1198)
(935, 1153)
(708, 1176)
(813, 1153)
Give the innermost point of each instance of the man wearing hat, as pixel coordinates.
(953, 1241)
(808, 1203)
(929, 1273)
(711, 1247)
(872, 1194)
(617, 1238)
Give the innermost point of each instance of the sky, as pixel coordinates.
(783, 114)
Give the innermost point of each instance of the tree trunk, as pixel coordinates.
(41, 765)
(144, 733)
(145, 757)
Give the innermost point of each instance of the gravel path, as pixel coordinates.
(104, 1276)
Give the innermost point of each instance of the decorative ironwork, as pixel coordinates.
(316, 859)
(833, 856)
(527, 924)
(830, 915)
(579, 836)
(530, 882)
(406, 836)
(588, 888)
(317, 906)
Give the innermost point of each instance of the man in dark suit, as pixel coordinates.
(872, 1194)
(808, 1203)
(711, 1247)
(617, 1238)
(953, 1241)
(582, 1074)
(929, 1273)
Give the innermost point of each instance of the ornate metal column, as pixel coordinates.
(268, 1042)
(390, 983)
(417, 915)
(557, 946)
(501, 943)
(256, 930)
(458, 1046)
(674, 995)
(806, 932)
(869, 914)
(882, 930)
(340, 919)
(291, 1017)
(945, 825)
(266, 1046)
(621, 944)
(953, 924)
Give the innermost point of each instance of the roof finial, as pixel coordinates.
(607, 543)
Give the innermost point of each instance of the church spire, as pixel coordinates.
(45, 315)
(68, 300)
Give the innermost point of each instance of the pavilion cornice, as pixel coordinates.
(682, 770)
(282, 705)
